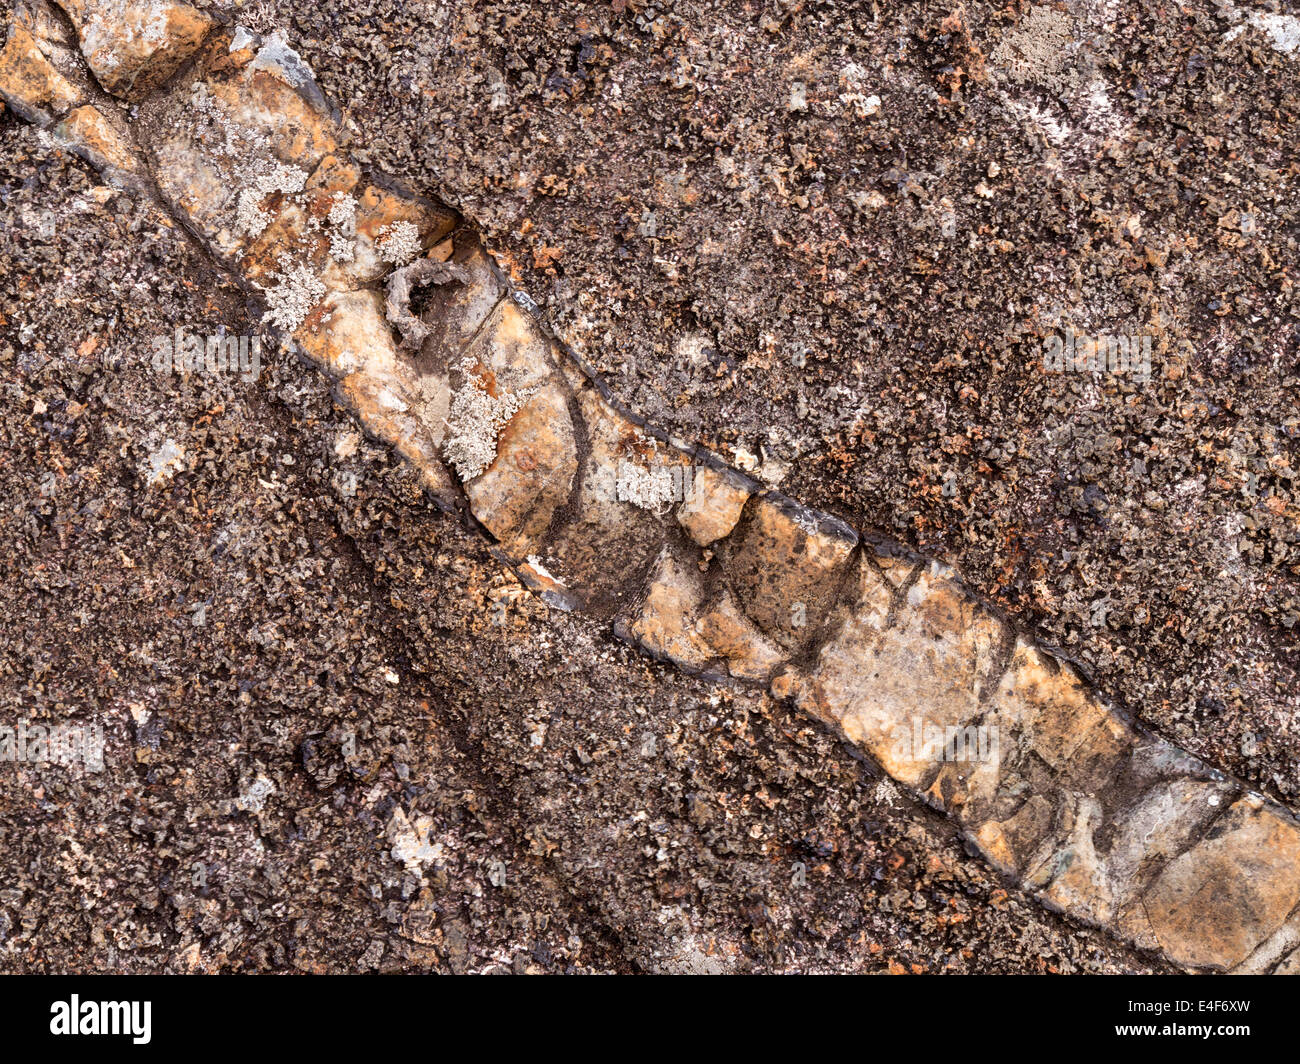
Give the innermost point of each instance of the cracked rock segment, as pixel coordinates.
(785, 564)
(133, 47)
(29, 82)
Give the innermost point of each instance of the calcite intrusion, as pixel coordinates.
(391, 295)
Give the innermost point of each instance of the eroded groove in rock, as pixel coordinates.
(395, 298)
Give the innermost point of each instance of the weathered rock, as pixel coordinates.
(605, 546)
(785, 564)
(388, 417)
(133, 46)
(1110, 854)
(258, 112)
(1022, 806)
(664, 624)
(537, 459)
(892, 689)
(1075, 802)
(675, 623)
(288, 236)
(402, 284)
(349, 334)
(29, 82)
(455, 312)
(1277, 953)
(378, 211)
(234, 150)
(512, 348)
(1213, 905)
(538, 579)
(103, 143)
(713, 506)
(731, 635)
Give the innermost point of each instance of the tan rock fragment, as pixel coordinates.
(532, 476)
(731, 635)
(674, 622)
(896, 691)
(785, 564)
(605, 547)
(536, 456)
(283, 116)
(349, 337)
(713, 506)
(1213, 905)
(29, 82)
(349, 334)
(1110, 854)
(133, 46)
(514, 349)
(664, 624)
(198, 186)
(288, 234)
(334, 174)
(1043, 718)
(103, 143)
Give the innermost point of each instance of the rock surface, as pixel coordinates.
(1079, 805)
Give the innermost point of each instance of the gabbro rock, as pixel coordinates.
(1079, 804)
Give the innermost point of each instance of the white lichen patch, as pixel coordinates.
(1283, 31)
(410, 842)
(1041, 49)
(296, 291)
(250, 219)
(163, 462)
(651, 489)
(343, 217)
(399, 243)
(249, 216)
(475, 422)
(853, 80)
(254, 799)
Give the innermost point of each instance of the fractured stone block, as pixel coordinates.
(886, 685)
(133, 47)
(29, 82)
(102, 142)
(785, 564)
(677, 621)
(532, 475)
(1215, 903)
(713, 506)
